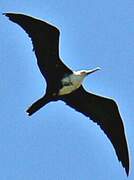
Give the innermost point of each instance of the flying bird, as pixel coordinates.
(66, 85)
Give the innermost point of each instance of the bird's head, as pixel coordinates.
(87, 72)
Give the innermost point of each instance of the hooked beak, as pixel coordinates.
(92, 70)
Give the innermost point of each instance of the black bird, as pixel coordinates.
(66, 85)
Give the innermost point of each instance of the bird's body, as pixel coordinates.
(66, 85)
(71, 82)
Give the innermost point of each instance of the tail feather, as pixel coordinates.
(37, 105)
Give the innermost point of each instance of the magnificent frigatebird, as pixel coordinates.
(66, 85)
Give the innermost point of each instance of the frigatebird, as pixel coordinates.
(66, 85)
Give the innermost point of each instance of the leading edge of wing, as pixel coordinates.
(105, 113)
(20, 17)
(45, 39)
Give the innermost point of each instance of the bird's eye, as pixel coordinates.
(82, 72)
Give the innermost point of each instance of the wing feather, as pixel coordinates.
(45, 39)
(105, 113)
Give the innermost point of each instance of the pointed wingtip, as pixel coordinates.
(127, 171)
(4, 14)
(7, 14)
(127, 167)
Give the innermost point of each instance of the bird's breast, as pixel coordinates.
(70, 83)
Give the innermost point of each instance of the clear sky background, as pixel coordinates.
(58, 143)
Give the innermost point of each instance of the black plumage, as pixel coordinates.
(103, 111)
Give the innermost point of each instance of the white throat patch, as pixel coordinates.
(71, 83)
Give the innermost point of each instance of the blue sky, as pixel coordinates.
(57, 142)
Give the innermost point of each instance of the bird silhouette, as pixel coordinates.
(66, 85)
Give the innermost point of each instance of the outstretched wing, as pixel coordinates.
(45, 39)
(105, 113)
